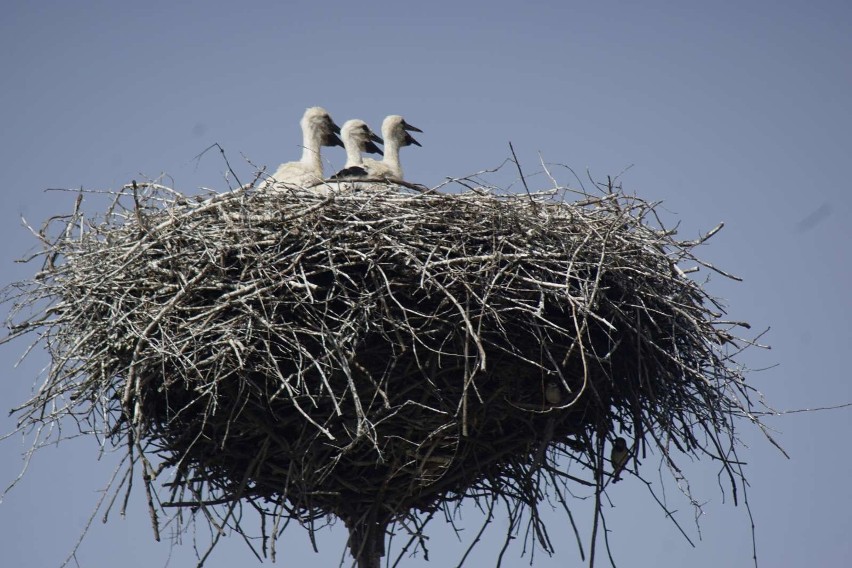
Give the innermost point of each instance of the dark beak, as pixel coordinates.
(409, 139)
(375, 138)
(373, 149)
(332, 140)
(407, 126)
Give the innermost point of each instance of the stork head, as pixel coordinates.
(317, 123)
(359, 133)
(395, 127)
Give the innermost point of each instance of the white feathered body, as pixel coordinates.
(318, 130)
(395, 132)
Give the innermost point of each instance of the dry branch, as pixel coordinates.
(379, 353)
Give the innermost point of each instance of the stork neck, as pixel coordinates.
(391, 152)
(311, 151)
(353, 154)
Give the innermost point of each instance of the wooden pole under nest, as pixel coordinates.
(367, 540)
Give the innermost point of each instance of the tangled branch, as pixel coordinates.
(378, 353)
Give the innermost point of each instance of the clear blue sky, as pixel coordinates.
(728, 111)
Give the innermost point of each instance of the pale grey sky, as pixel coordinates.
(728, 111)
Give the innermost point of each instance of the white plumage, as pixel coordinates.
(357, 138)
(395, 132)
(318, 130)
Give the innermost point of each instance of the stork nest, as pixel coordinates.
(379, 353)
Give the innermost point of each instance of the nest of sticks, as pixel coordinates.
(377, 354)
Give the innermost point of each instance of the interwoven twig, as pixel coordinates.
(376, 353)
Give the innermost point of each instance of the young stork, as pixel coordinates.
(357, 138)
(395, 132)
(318, 130)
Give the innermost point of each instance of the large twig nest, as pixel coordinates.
(375, 354)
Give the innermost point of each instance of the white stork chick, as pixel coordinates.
(318, 129)
(357, 138)
(395, 132)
